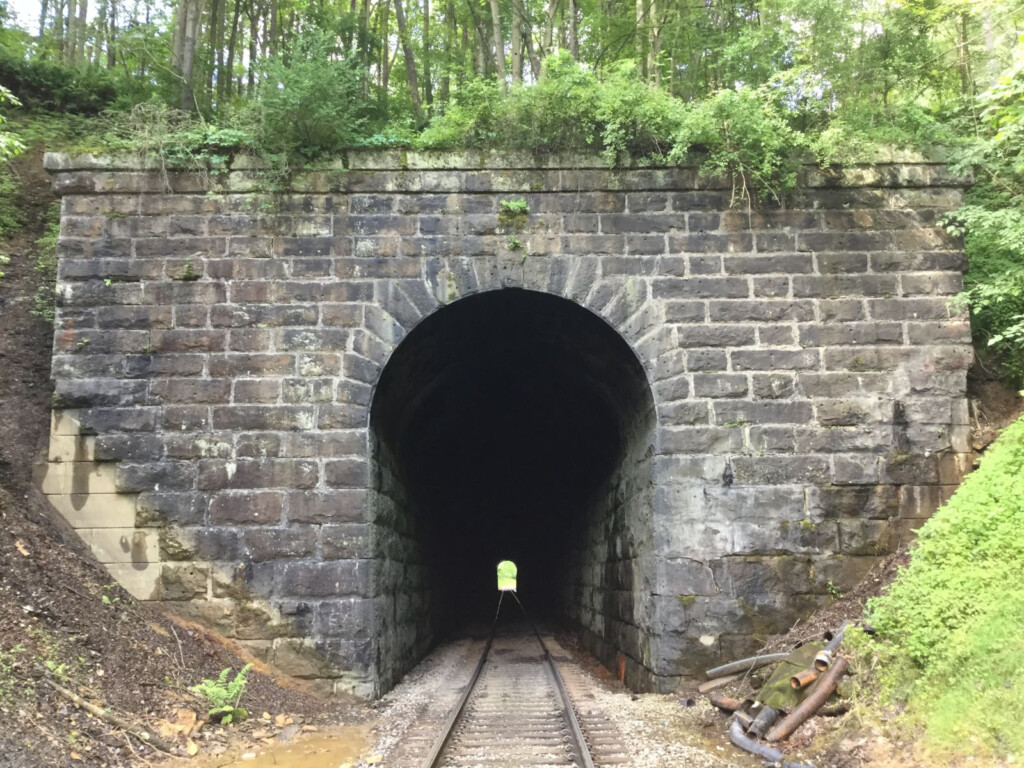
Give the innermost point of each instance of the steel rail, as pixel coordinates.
(568, 712)
(434, 758)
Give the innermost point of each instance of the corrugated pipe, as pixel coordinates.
(747, 744)
(810, 705)
(745, 665)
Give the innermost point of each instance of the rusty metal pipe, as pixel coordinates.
(745, 665)
(728, 703)
(811, 704)
(764, 720)
(747, 744)
(803, 679)
(743, 718)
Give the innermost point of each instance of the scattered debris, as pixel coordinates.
(802, 681)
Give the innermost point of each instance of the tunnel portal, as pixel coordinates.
(510, 424)
(315, 420)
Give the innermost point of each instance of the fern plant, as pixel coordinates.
(224, 694)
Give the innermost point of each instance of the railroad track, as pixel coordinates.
(514, 712)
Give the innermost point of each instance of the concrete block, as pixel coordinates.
(142, 580)
(96, 510)
(122, 545)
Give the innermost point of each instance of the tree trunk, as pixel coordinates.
(964, 58)
(410, 61)
(83, 7)
(574, 42)
(534, 58)
(517, 54)
(654, 45)
(216, 11)
(428, 93)
(43, 5)
(254, 30)
(547, 40)
(193, 14)
(499, 41)
(112, 36)
(178, 39)
(480, 52)
(229, 67)
(69, 32)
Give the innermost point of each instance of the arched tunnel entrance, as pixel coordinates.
(510, 424)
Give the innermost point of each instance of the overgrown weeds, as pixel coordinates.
(949, 644)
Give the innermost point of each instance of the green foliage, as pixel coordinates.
(10, 145)
(224, 694)
(949, 629)
(46, 265)
(746, 138)
(10, 191)
(8, 660)
(45, 84)
(311, 101)
(992, 221)
(178, 139)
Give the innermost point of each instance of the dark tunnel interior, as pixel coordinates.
(498, 426)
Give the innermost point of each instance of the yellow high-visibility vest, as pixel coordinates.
(507, 573)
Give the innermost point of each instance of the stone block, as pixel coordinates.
(339, 578)
(773, 359)
(122, 545)
(72, 447)
(96, 510)
(142, 581)
(246, 508)
(347, 473)
(183, 581)
(156, 509)
(771, 470)
(263, 544)
(719, 385)
(218, 474)
(337, 506)
(772, 386)
(762, 412)
(155, 476)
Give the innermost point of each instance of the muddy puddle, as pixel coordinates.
(334, 748)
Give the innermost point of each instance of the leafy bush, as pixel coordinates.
(43, 84)
(992, 222)
(223, 695)
(46, 265)
(949, 629)
(179, 139)
(746, 138)
(744, 134)
(570, 109)
(311, 103)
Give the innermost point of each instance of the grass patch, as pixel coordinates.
(950, 643)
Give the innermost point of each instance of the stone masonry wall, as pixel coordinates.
(217, 347)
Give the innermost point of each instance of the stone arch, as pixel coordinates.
(596, 405)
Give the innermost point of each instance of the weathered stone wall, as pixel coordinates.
(217, 350)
